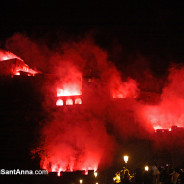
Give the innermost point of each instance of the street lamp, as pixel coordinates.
(95, 174)
(81, 181)
(125, 158)
(146, 168)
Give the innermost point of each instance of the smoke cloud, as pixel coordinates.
(169, 111)
(83, 137)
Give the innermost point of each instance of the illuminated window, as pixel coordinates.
(59, 102)
(78, 101)
(69, 101)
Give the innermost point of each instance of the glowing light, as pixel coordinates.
(59, 172)
(160, 128)
(28, 70)
(69, 101)
(78, 101)
(157, 127)
(146, 168)
(59, 102)
(121, 89)
(53, 168)
(33, 72)
(5, 55)
(14, 64)
(125, 158)
(95, 174)
(71, 168)
(80, 181)
(4, 58)
(117, 178)
(86, 172)
(68, 92)
(17, 73)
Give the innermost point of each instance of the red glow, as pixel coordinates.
(69, 101)
(69, 91)
(157, 127)
(17, 73)
(71, 83)
(70, 86)
(13, 65)
(78, 101)
(170, 110)
(5, 55)
(59, 102)
(86, 172)
(63, 148)
(59, 172)
(89, 165)
(78, 139)
(121, 89)
(82, 138)
(29, 70)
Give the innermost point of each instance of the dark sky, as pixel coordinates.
(152, 27)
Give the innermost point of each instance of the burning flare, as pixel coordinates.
(5, 55)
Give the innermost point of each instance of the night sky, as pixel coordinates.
(154, 29)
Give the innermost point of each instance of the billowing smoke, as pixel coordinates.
(35, 55)
(84, 133)
(79, 138)
(170, 110)
(5, 55)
